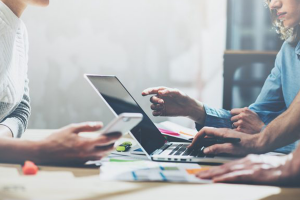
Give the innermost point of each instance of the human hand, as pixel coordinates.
(248, 143)
(168, 101)
(65, 146)
(246, 121)
(173, 102)
(256, 169)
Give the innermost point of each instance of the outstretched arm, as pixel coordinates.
(173, 102)
(64, 146)
(259, 169)
(262, 169)
(284, 130)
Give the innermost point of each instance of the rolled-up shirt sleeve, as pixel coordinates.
(17, 121)
(218, 118)
(268, 105)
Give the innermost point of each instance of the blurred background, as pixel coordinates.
(146, 43)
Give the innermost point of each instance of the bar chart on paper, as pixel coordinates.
(150, 171)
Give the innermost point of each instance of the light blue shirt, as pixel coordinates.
(277, 94)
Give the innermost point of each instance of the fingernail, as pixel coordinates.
(160, 101)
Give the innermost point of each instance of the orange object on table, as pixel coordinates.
(30, 168)
(195, 171)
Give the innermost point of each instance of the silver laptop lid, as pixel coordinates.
(120, 100)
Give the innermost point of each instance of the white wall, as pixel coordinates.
(176, 43)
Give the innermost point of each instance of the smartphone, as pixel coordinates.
(123, 123)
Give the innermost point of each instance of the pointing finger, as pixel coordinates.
(153, 90)
(170, 92)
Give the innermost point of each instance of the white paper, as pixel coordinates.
(148, 171)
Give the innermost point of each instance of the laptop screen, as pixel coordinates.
(120, 100)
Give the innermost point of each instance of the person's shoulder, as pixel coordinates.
(287, 47)
(8, 18)
(287, 51)
(286, 55)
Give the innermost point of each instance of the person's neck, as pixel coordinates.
(15, 6)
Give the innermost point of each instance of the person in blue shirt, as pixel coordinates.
(277, 94)
(258, 169)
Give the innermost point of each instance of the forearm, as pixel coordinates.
(290, 169)
(296, 159)
(197, 112)
(17, 150)
(284, 130)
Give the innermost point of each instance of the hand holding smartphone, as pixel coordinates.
(123, 123)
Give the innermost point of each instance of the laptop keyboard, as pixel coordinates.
(181, 149)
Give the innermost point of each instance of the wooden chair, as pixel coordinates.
(233, 60)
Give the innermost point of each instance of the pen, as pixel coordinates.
(222, 140)
(181, 132)
(212, 141)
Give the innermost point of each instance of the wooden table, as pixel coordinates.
(83, 183)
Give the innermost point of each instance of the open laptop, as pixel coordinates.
(153, 143)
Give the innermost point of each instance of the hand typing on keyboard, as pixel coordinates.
(228, 141)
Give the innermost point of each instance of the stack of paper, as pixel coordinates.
(174, 130)
(150, 171)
